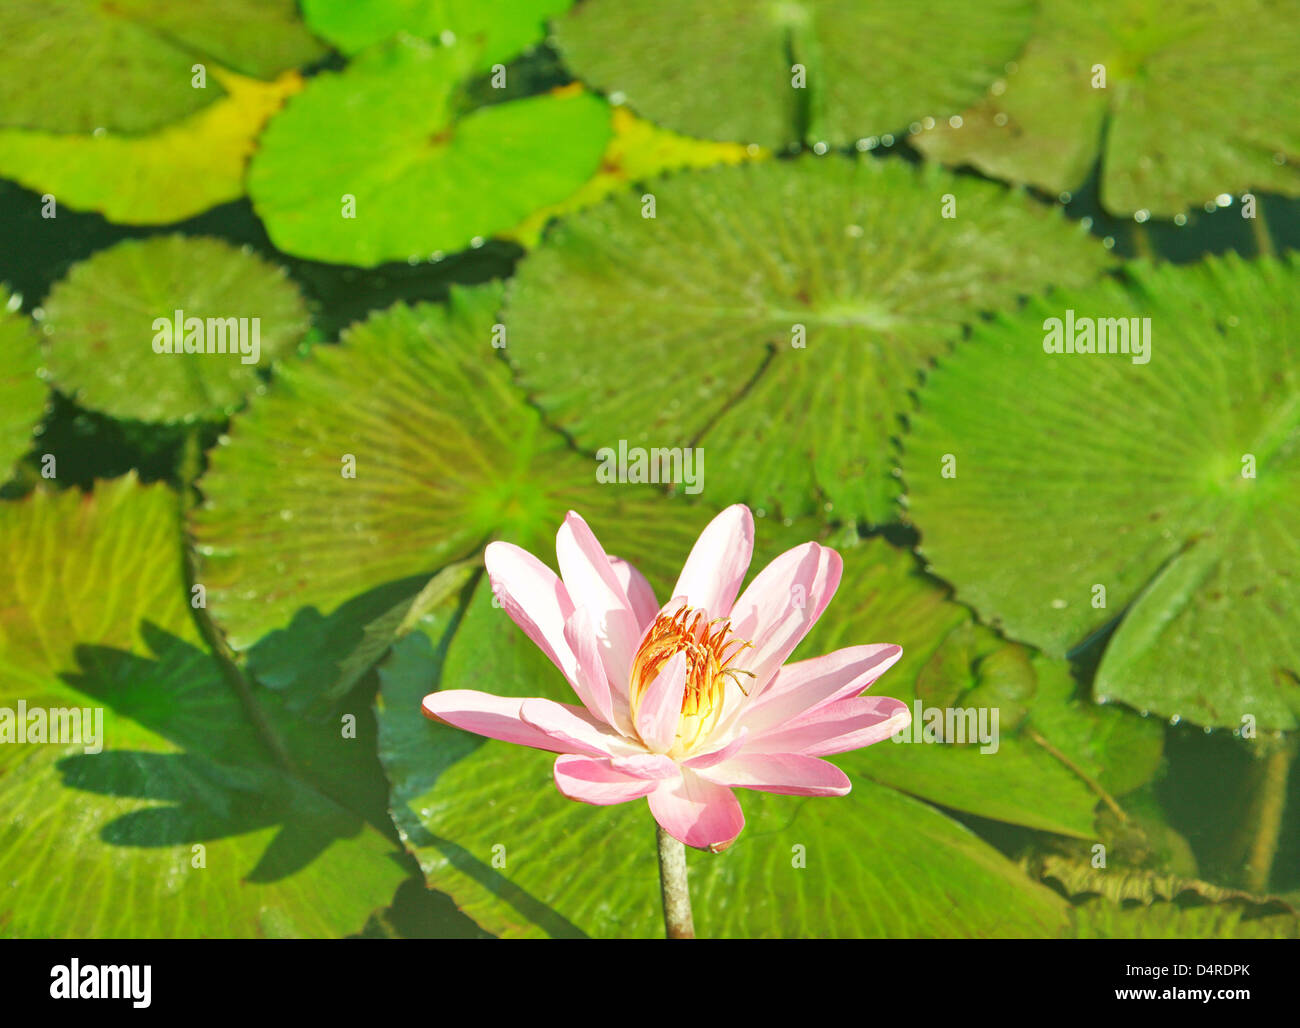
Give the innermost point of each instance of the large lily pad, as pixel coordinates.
(496, 31)
(1182, 118)
(448, 454)
(126, 66)
(776, 314)
(1172, 484)
(1052, 757)
(183, 825)
(22, 393)
(100, 330)
(387, 133)
(169, 175)
(488, 827)
(726, 70)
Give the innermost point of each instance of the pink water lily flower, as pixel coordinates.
(682, 703)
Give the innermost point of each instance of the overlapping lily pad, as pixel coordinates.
(1047, 761)
(637, 152)
(727, 70)
(22, 393)
(488, 827)
(448, 454)
(387, 133)
(1172, 484)
(168, 175)
(171, 819)
(496, 31)
(100, 330)
(775, 314)
(1182, 116)
(127, 66)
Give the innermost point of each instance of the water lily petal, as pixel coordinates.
(836, 727)
(595, 781)
(646, 765)
(781, 604)
(801, 688)
(590, 681)
(639, 593)
(718, 561)
(697, 812)
(534, 598)
(721, 753)
(576, 729)
(660, 709)
(592, 583)
(500, 717)
(789, 774)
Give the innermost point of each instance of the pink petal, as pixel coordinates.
(639, 593)
(782, 604)
(646, 765)
(594, 781)
(726, 752)
(534, 597)
(660, 709)
(592, 583)
(718, 561)
(801, 688)
(697, 812)
(575, 729)
(836, 727)
(500, 717)
(589, 679)
(789, 774)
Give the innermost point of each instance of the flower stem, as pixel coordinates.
(678, 923)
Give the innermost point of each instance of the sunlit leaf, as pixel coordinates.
(775, 314)
(1157, 495)
(101, 326)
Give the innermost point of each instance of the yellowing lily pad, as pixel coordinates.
(776, 72)
(637, 152)
(1086, 491)
(776, 314)
(375, 164)
(22, 393)
(127, 65)
(168, 175)
(1180, 100)
(496, 31)
(221, 314)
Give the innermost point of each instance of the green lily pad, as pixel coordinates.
(168, 175)
(386, 132)
(22, 393)
(727, 71)
(496, 32)
(171, 820)
(1045, 766)
(1181, 119)
(448, 454)
(685, 329)
(125, 66)
(488, 827)
(101, 327)
(1172, 484)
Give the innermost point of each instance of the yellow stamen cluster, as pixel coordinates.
(710, 650)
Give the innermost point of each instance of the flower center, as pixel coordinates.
(710, 649)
